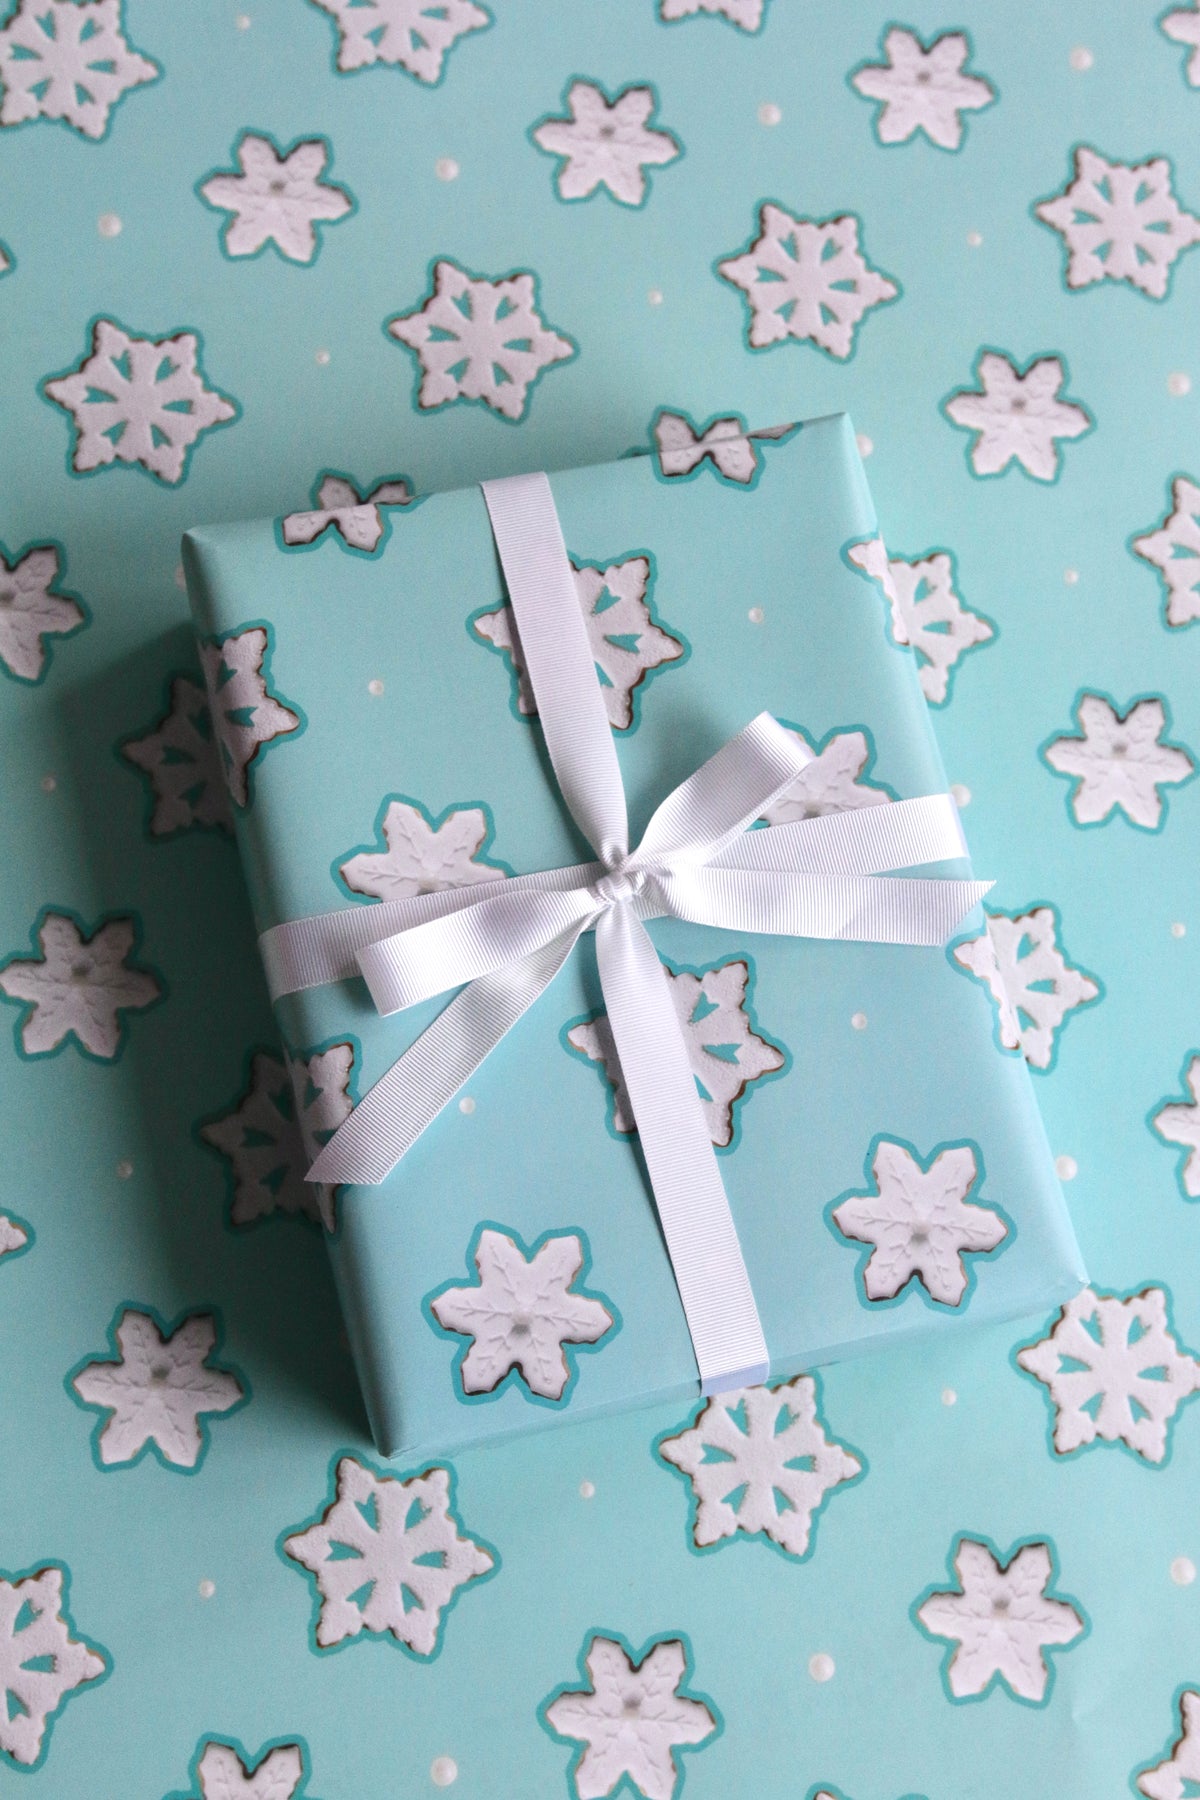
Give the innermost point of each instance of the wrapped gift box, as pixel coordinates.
(883, 1155)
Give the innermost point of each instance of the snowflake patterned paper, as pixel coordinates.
(1120, 762)
(270, 1137)
(725, 445)
(179, 756)
(1001, 1619)
(42, 1663)
(1174, 549)
(747, 15)
(922, 89)
(1017, 415)
(632, 1718)
(1183, 25)
(33, 608)
(605, 143)
(247, 716)
(413, 35)
(422, 854)
(1178, 1122)
(80, 987)
(357, 519)
(1033, 986)
(63, 60)
(15, 1235)
(159, 1393)
(278, 198)
(1120, 222)
(227, 1771)
(1177, 1775)
(834, 781)
(926, 611)
(807, 280)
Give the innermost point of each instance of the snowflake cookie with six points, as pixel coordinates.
(631, 1718)
(421, 854)
(725, 1050)
(922, 89)
(33, 608)
(807, 280)
(1033, 986)
(247, 716)
(1174, 549)
(724, 445)
(226, 1771)
(759, 1463)
(387, 1557)
(919, 1222)
(42, 1663)
(1017, 415)
(832, 781)
(178, 755)
(747, 15)
(278, 197)
(1002, 1620)
(1114, 1372)
(158, 1391)
(627, 641)
(1178, 1773)
(605, 143)
(1178, 1122)
(1183, 26)
(142, 401)
(413, 35)
(1120, 761)
(353, 518)
(80, 986)
(60, 59)
(927, 612)
(523, 1314)
(1120, 222)
(478, 339)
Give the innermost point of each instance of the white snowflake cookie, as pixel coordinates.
(807, 280)
(723, 444)
(1174, 549)
(80, 987)
(1182, 26)
(159, 1392)
(479, 339)
(747, 15)
(833, 781)
(1120, 222)
(413, 35)
(15, 1235)
(247, 717)
(33, 607)
(628, 642)
(1114, 1372)
(138, 400)
(422, 854)
(1002, 1620)
(922, 89)
(1177, 1774)
(605, 143)
(60, 59)
(1017, 414)
(43, 1664)
(387, 1557)
(276, 197)
(227, 1771)
(1120, 761)
(1033, 987)
(178, 755)
(523, 1314)
(727, 1053)
(927, 613)
(357, 519)
(632, 1717)
(1177, 1121)
(760, 1464)
(919, 1223)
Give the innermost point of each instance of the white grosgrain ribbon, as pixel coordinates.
(501, 943)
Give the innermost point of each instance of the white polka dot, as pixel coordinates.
(974, 239)
(180, 577)
(48, 784)
(865, 444)
(949, 1397)
(1070, 577)
(587, 1489)
(446, 169)
(375, 687)
(821, 1666)
(1183, 1571)
(769, 113)
(443, 1771)
(1179, 384)
(960, 794)
(756, 615)
(655, 296)
(466, 1104)
(859, 1021)
(109, 225)
(207, 1589)
(1081, 59)
(321, 358)
(1066, 1168)
(1178, 929)
(124, 1168)
(242, 21)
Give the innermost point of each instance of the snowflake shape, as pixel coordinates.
(760, 1463)
(606, 143)
(41, 1664)
(138, 400)
(927, 612)
(7, 262)
(1002, 1620)
(921, 89)
(1031, 983)
(806, 279)
(270, 1137)
(1120, 222)
(919, 1222)
(32, 608)
(79, 986)
(1120, 762)
(1174, 549)
(1114, 1371)
(224, 1771)
(830, 781)
(248, 717)
(476, 339)
(631, 1718)
(747, 15)
(1178, 1775)
(726, 1053)
(423, 855)
(388, 1557)
(357, 519)
(179, 756)
(682, 449)
(522, 1313)
(60, 59)
(1182, 26)
(278, 198)
(158, 1390)
(1178, 1122)
(1017, 415)
(413, 35)
(628, 644)
(14, 1235)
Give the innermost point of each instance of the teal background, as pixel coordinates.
(139, 1541)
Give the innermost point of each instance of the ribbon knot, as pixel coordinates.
(621, 883)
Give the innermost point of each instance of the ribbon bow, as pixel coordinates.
(503, 942)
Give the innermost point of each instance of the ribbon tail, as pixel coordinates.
(389, 1119)
(693, 1207)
